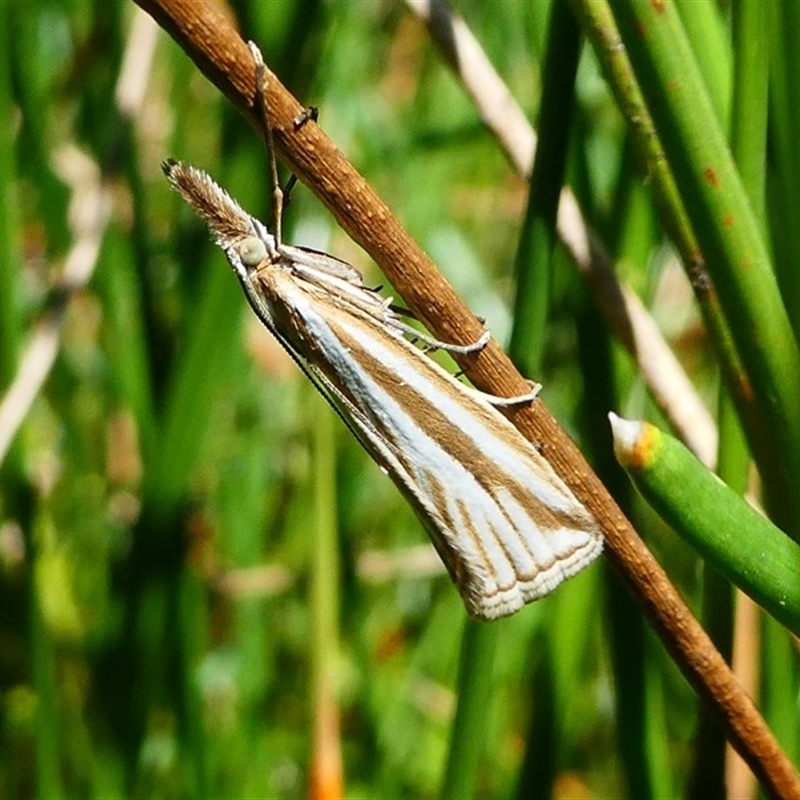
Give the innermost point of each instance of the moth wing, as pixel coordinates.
(507, 527)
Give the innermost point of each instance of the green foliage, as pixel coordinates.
(755, 555)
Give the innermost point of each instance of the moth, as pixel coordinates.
(506, 526)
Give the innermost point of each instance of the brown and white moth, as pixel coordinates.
(506, 526)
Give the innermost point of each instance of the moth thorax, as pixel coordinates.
(252, 251)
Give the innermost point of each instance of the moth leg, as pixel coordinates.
(431, 344)
(309, 113)
(436, 344)
(507, 402)
(261, 106)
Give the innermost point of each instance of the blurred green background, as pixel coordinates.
(203, 579)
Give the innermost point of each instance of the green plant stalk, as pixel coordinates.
(709, 37)
(538, 237)
(730, 238)
(630, 665)
(748, 133)
(540, 767)
(601, 30)
(783, 36)
(751, 52)
(755, 555)
(779, 681)
(468, 732)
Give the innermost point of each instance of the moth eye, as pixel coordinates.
(252, 251)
